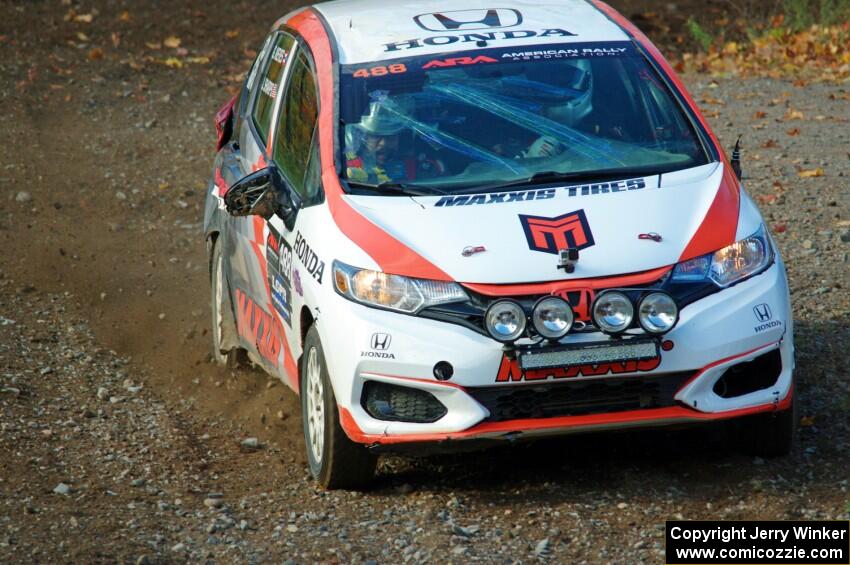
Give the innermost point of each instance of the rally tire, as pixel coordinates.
(772, 434)
(335, 461)
(235, 357)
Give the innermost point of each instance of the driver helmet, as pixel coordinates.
(383, 118)
(576, 80)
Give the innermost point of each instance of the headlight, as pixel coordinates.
(552, 317)
(731, 264)
(393, 292)
(657, 312)
(613, 312)
(505, 320)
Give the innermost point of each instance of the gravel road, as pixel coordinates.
(119, 441)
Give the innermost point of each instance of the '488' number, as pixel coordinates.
(395, 69)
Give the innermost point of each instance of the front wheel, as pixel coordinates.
(335, 461)
(771, 434)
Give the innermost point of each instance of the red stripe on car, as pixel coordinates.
(289, 365)
(220, 183)
(632, 418)
(635, 279)
(660, 416)
(389, 253)
(720, 224)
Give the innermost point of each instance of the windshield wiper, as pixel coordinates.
(545, 177)
(397, 188)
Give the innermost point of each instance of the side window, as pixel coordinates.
(295, 129)
(251, 82)
(269, 84)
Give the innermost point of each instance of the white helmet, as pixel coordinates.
(384, 117)
(576, 78)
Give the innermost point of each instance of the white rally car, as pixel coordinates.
(443, 221)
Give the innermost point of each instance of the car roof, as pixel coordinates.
(375, 30)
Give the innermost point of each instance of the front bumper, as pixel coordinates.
(716, 333)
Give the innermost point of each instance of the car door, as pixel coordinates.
(293, 271)
(259, 329)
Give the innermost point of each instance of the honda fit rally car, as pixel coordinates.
(441, 222)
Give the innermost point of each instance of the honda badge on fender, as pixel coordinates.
(381, 341)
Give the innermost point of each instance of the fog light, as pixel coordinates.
(505, 320)
(613, 312)
(658, 313)
(443, 371)
(552, 317)
(384, 401)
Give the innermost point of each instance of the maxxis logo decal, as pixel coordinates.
(510, 371)
(541, 194)
(257, 326)
(549, 235)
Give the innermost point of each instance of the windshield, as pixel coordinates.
(460, 121)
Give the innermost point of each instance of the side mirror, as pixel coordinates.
(262, 193)
(735, 161)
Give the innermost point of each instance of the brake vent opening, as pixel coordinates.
(744, 378)
(389, 402)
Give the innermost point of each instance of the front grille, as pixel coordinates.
(579, 397)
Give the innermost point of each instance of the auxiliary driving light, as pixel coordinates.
(657, 312)
(613, 312)
(505, 320)
(552, 317)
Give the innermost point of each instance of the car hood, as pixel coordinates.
(521, 231)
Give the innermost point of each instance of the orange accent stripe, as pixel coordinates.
(673, 414)
(260, 164)
(720, 224)
(220, 183)
(389, 253)
(418, 380)
(289, 366)
(645, 277)
(660, 415)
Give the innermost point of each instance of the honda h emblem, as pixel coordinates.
(381, 341)
(466, 20)
(550, 235)
(581, 300)
(763, 313)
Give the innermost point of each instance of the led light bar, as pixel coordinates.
(588, 354)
